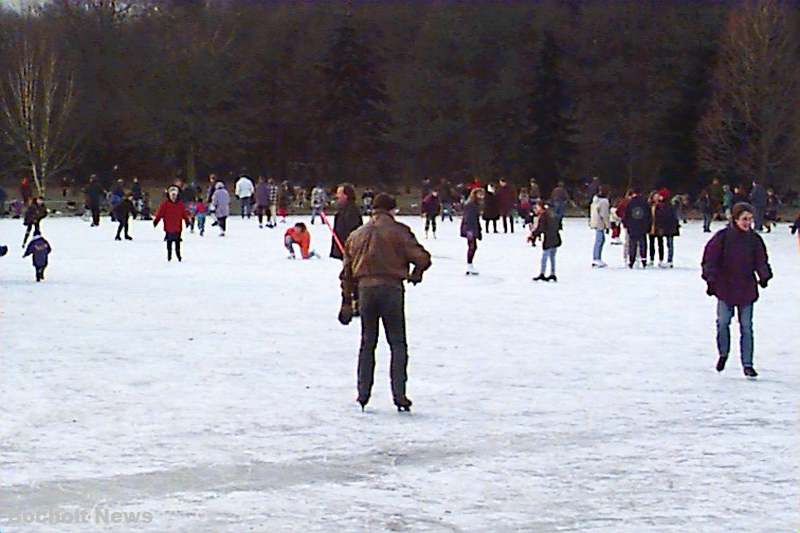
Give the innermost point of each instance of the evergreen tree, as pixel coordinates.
(353, 118)
(548, 142)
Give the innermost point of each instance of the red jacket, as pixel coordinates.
(173, 213)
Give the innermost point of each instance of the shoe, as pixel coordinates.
(598, 264)
(291, 256)
(552, 277)
(128, 238)
(261, 226)
(115, 238)
(222, 234)
(721, 362)
(541, 277)
(750, 372)
(403, 405)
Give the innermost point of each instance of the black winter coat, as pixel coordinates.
(347, 219)
(34, 214)
(666, 221)
(124, 210)
(549, 225)
(491, 210)
(637, 217)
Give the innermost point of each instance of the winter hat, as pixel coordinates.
(219, 185)
(173, 188)
(740, 208)
(384, 202)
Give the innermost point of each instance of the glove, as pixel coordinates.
(415, 277)
(710, 290)
(763, 283)
(155, 224)
(345, 313)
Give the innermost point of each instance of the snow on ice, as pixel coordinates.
(218, 394)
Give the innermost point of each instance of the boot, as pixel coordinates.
(540, 277)
(721, 362)
(750, 372)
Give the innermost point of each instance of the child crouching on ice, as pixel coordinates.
(40, 249)
(300, 236)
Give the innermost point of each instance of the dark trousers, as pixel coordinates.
(430, 222)
(123, 226)
(173, 239)
(472, 247)
(384, 302)
(494, 223)
(653, 240)
(506, 220)
(222, 222)
(28, 228)
(637, 242)
(95, 209)
(40, 272)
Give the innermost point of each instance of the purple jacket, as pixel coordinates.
(730, 261)
(40, 249)
(262, 194)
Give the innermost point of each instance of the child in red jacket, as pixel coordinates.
(173, 212)
(300, 236)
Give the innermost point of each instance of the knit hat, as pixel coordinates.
(740, 208)
(384, 202)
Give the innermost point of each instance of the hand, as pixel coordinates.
(763, 283)
(415, 277)
(155, 223)
(710, 290)
(345, 313)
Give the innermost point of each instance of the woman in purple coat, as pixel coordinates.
(731, 260)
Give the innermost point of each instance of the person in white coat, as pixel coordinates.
(600, 222)
(244, 191)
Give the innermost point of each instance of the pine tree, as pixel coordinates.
(353, 115)
(548, 142)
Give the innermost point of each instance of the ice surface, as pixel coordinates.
(218, 393)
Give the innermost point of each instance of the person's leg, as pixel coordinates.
(427, 223)
(119, 231)
(670, 248)
(544, 262)
(288, 242)
(433, 224)
(505, 223)
(394, 324)
(660, 240)
(28, 228)
(598, 245)
(169, 249)
(746, 332)
(724, 316)
(631, 245)
(201, 224)
(224, 223)
(472, 247)
(643, 248)
(487, 226)
(368, 302)
(652, 241)
(553, 261)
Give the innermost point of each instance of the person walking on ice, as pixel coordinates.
(549, 227)
(471, 227)
(173, 212)
(376, 262)
(300, 236)
(732, 260)
(221, 201)
(40, 249)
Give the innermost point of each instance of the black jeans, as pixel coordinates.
(430, 222)
(123, 226)
(494, 224)
(384, 302)
(95, 209)
(173, 239)
(506, 220)
(653, 240)
(637, 242)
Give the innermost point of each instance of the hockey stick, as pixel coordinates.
(335, 237)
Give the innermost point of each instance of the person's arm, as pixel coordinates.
(712, 259)
(416, 255)
(763, 268)
(159, 214)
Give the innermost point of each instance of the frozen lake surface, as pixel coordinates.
(218, 394)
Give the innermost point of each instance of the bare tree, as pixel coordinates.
(751, 126)
(36, 102)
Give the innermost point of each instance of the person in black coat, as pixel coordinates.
(122, 212)
(637, 220)
(548, 226)
(667, 227)
(33, 216)
(94, 194)
(347, 219)
(471, 226)
(40, 249)
(491, 209)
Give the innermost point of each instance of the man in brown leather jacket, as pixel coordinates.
(376, 262)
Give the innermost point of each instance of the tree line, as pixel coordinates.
(633, 91)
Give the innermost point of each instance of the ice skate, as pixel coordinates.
(471, 270)
(598, 264)
(403, 405)
(540, 277)
(552, 278)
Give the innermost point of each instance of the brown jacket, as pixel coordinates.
(379, 253)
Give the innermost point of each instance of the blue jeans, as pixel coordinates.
(758, 218)
(706, 222)
(245, 203)
(725, 313)
(599, 240)
(670, 248)
(550, 254)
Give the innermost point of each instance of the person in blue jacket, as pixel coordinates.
(40, 249)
